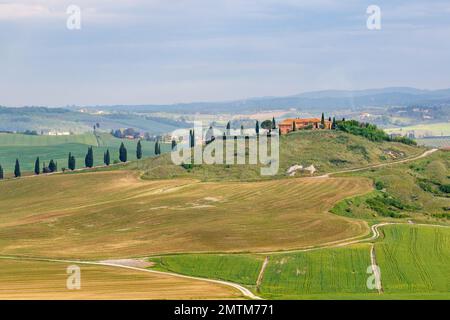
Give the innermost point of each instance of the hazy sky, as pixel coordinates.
(166, 51)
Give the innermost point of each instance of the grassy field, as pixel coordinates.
(236, 268)
(127, 216)
(328, 151)
(413, 261)
(21, 279)
(27, 147)
(409, 191)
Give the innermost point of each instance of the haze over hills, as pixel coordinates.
(155, 120)
(328, 100)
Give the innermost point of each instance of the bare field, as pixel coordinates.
(117, 215)
(21, 279)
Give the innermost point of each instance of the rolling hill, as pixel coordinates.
(27, 147)
(328, 151)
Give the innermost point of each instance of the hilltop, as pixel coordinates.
(328, 151)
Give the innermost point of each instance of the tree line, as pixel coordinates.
(88, 160)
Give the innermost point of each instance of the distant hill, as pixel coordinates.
(329, 100)
(61, 119)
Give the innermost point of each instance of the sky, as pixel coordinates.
(170, 51)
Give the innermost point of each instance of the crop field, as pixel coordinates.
(116, 214)
(236, 268)
(413, 261)
(435, 129)
(27, 147)
(435, 142)
(23, 279)
(333, 271)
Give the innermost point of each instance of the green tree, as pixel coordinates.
(191, 138)
(1, 172)
(228, 128)
(17, 172)
(322, 120)
(72, 163)
(107, 158)
(37, 166)
(52, 166)
(294, 128)
(123, 153)
(333, 125)
(69, 161)
(139, 150)
(266, 124)
(257, 127)
(89, 159)
(174, 144)
(274, 125)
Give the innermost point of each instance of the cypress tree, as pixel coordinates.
(72, 163)
(52, 166)
(322, 120)
(174, 144)
(191, 138)
(69, 161)
(37, 166)
(89, 159)
(294, 128)
(228, 128)
(1, 172)
(139, 150)
(257, 128)
(17, 172)
(107, 158)
(122, 153)
(274, 125)
(333, 125)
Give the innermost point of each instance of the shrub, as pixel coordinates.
(379, 185)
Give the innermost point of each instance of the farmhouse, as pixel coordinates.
(291, 124)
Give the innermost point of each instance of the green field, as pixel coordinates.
(27, 147)
(236, 268)
(413, 261)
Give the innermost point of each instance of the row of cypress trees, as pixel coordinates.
(88, 160)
